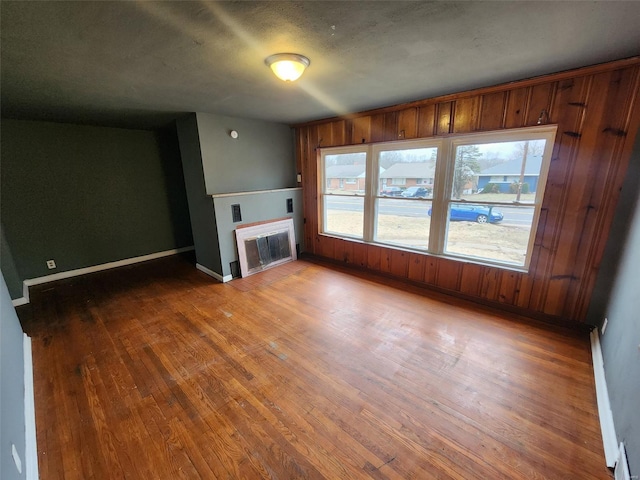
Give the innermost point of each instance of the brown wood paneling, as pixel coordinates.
(427, 120)
(361, 130)
(390, 126)
(408, 123)
(374, 253)
(384, 127)
(339, 250)
(399, 263)
(568, 113)
(385, 259)
(570, 237)
(444, 117)
(613, 186)
(591, 109)
(471, 279)
(467, 111)
(431, 265)
(339, 133)
(540, 101)
(377, 127)
(493, 111)
(448, 274)
(490, 284)
(360, 254)
(516, 107)
(325, 135)
(509, 283)
(327, 247)
(416, 267)
(568, 74)
(608, 130)
(310, 181)
(348, 252)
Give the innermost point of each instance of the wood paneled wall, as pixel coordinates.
(597, 110)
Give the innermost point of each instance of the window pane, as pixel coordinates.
(499, 172)
(408, 168)
(499, 233)
(403, 222)
(408, 176)
(344, 215)
(344, 173)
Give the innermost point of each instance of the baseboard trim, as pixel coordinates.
(609, 439)
(213, 274)
(19, 301)
(30, 282)
(31, 447)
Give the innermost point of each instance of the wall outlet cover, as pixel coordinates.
(51, 264)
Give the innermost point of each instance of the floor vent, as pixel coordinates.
(235, 269)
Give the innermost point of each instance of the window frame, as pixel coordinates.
(442, 196)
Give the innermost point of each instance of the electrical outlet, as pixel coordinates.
(51, 264)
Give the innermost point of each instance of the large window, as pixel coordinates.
(474, 197)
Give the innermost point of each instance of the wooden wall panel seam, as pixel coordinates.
(567, 100)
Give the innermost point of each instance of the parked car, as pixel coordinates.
(391, 192)
(474, 213)
(413, 192)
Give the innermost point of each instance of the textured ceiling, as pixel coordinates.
(142, 64)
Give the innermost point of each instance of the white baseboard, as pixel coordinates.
(29, 282)
(31, 447)
(19, 301)
(211, 273)
(609, 439)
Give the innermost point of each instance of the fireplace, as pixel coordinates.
(265, 245)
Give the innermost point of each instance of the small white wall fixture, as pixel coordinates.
(265, 245)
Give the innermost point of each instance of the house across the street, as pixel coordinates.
(508, 173)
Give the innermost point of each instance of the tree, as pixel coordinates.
(467, 168)
(534, 148)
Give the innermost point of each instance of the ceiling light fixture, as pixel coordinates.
(287, 66)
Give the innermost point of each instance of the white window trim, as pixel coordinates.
(441, 194)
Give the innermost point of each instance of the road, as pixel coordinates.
(517, 216)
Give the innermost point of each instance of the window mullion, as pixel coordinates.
(441, 189)
(370, 194)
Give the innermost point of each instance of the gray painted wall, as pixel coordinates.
(84, 195)
(261, 158)
(255, 208)
(12, 424)
(618, 280)
(203, 218)
(14, 283)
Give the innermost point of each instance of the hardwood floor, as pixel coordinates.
(157, 371)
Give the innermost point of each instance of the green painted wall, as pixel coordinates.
(261, 158)
(203, 218)
(85, 195)
(12, 421)
(616, 297)
(254, 208)
(9, 270)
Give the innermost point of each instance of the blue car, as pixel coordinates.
(474, 213)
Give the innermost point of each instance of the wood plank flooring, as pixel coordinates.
(155, 371)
